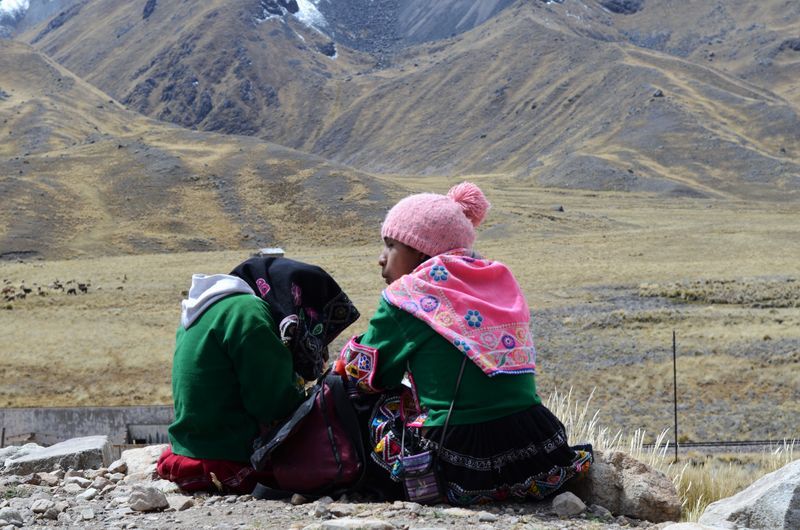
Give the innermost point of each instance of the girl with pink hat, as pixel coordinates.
(450, 351)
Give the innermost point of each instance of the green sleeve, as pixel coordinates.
(394, 342)
(263, 365)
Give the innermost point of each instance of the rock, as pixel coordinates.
(62, 506)
(486, 517)
(99, 483)
(658, 93)
(622, 7)
(94, 473)
(42, 505)
(167, 487)
(116, 477)
(73, 473)
(147, 499)
(568, 504)
(600, 512)
(48, 479)
(180, 502)
(412, 507)
(689, 526)
(72, 489)
(628, 487)
(341, 510)
(80, 481)
(773, 501)
(458, 512)
(87, 514)
(356, 524)
(52, 513)
(107, 489)
(143, 460)
(88, 495)
(16, 451)
(118, 466)
(89, 452)
(298, 499)
(321, 510)
(33, 480)
(12, 516)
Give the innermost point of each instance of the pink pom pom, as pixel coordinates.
(472, 201)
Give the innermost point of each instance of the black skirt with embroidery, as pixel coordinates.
(521, 456)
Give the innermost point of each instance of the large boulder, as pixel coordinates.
(773, 501)
(626, 486)
(89, 452)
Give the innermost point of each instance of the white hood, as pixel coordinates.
(206, 290)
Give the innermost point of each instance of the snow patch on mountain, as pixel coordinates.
(13, 7)
(310, 15)
(303, 10)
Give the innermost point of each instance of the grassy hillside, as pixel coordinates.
(82, 176)
(540, 92)
(756, 41)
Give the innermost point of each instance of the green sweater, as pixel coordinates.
(230, 373)
(403, 341)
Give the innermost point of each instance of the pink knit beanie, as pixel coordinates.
(433, 223)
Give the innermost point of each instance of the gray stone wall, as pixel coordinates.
(122, 425)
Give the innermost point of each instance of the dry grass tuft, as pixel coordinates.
(749, 292)
(701, 480)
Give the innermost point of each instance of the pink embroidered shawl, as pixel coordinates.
(476, 304)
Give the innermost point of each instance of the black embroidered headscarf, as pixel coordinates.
(307, 304)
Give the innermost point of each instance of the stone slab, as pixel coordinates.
(89, 452)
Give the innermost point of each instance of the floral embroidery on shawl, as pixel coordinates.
(476, 304)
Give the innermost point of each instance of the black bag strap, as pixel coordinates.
(347, 417)
(446, 420)
(450, 411)
(264, 446)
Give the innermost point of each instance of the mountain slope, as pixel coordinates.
(80, 175)
(756, 41)
(550, 93)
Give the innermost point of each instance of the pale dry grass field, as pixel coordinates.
(598, 276)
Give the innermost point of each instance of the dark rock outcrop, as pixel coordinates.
(149, 7)
(622, 7)
(328, 49)
(790, 44)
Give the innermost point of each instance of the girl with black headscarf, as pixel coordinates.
(247, 342)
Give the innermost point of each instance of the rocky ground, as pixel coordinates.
(121, 506)
(126, 494)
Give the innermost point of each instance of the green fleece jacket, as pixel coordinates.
(407, 343)
(230, 373)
